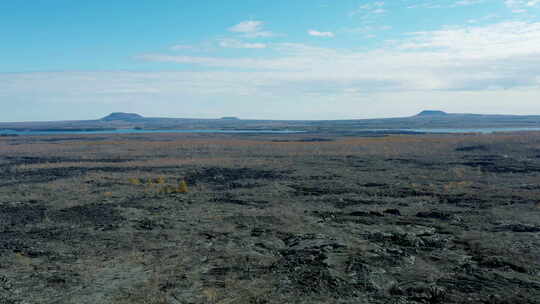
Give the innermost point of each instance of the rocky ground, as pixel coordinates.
(270, 219)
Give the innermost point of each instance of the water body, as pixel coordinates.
(137, 131)
(450, 130)
(476, 130)
(387, 131)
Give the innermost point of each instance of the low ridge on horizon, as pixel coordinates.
(136, 117)
(122, 116)
(432, 113)
(126, 116)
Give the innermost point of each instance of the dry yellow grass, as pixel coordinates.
(134, 181)
(182, 187)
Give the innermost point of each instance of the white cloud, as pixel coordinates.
(39, 96)
(492, 41)
(320, 34)
(444, 4)
(251, 29)
(236, 44)
(483, 18)
(371, 8)
(372, 5)
(247, 27)
(521, 6)
(467, 2)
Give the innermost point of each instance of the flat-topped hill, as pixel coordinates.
(122, 116)
(432, 113)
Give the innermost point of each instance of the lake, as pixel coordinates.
(450, 130)
(137, 131)
(474, 130)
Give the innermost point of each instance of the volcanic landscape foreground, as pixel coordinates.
(261, 218)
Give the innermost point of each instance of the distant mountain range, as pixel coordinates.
(423, 120)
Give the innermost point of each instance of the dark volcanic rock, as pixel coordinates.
(517, 228)
(435, 215)
(99, 215)
(421, 293)
(218, 175)
(392, 211)
(21, 214)
(472, 148)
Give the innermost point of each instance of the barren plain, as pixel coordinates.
(303, 218)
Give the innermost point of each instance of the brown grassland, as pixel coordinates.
(312, 218)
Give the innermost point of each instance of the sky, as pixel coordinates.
(260, 59)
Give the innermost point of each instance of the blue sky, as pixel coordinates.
(280, 59)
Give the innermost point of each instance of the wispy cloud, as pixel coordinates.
(486, 61)
(251, 29)
(483, 18)
(467, 2)
(370, 12)
(237, 44)
(444, 4)
(376, 7)
(372, 6)
(320, 34)
(521, 6)
(468, 68)
(481, 42)
(504, 55)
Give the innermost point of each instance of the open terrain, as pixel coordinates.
(303, 218)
